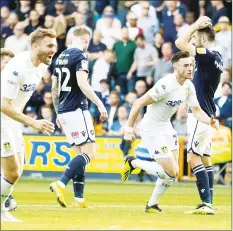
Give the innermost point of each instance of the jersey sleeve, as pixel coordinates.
(204, 55)
(11, 81)
(159, 91)
(82, 64)
(191, 99)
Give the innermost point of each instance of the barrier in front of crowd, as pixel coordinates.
(53, 153)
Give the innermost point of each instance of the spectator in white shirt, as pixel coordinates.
(101, 69)
(79, 21)
(181, 25)
(109, 26)
(223, 41)
(18, 42)
(147, 21)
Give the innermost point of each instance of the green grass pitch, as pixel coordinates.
(115, 206)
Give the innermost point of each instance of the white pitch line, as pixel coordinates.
(121, 206)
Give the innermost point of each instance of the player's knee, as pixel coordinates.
(13, 175)
(193, 159)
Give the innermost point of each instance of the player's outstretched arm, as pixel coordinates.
(200, 115)
(183, 42)
(135, 110)
(82, 79)
(41, 125)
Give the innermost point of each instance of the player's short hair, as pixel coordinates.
(81, 31)
(209, 31)
(6, 52)
(115, 92)
(179, 55)
(40, 33)
(226, 83)
(104, 81)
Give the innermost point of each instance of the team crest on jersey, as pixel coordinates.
(7, 146)
(201, 51)
(164, 149)
(75, 135)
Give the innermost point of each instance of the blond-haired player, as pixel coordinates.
(18, 81)
(70, 91)
(6, 56)
(158, 135)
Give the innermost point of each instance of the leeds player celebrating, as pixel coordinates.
(70, 90)
(157, 133)
(209, 66)
(6, 55)
(18, 80)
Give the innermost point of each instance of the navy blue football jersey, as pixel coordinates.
(209, 66)
(68, 63)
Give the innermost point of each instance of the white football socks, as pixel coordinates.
(152, 168)
(6, 190)
(160, 188)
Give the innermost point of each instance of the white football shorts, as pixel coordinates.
(160, 144)
(78, 127)
(12, 141)
(199, 136)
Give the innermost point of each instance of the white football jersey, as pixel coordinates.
(167, 94)
(19, 80)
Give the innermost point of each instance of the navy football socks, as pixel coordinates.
(202, 183)
(210, 173)
(75, 171)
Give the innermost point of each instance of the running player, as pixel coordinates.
(70, 90)
(157, 133)
(209, 66)
(18, 81)
(6, 56)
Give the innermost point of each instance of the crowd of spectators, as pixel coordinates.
(132, 43)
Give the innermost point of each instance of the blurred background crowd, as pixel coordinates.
(131, 46)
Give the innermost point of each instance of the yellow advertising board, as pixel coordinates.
(54, 153)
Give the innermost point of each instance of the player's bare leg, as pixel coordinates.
(163, 184)
(202, 184)
(75, 171)
(11, 173)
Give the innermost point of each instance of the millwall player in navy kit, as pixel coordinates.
(70, 90)
(206, 79)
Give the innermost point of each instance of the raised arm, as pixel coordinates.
(183, 42)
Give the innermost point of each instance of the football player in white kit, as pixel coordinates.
(6, 55)
(157, 133)
(18, 81)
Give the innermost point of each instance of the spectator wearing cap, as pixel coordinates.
(221, 10)
(18, 42)
(132, 24)
(224, 105)
(31, 112)
(34, 22)
(79, 22)
(23, 10)
(164, 65)
(147, 20)
(109, 26)
(124, 50)
(223, 41)
(145, 58)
